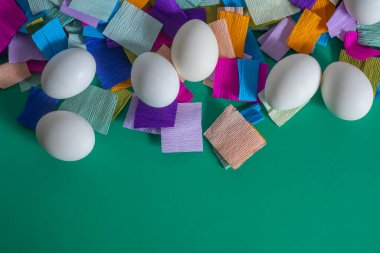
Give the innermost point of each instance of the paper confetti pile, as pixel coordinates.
(116, 32)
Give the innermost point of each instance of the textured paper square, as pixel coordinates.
(22, 49)
(274, 44)
(222, 35)
(303, 4)
(354, 49)
(263, 75)
(186, 135)
(369, 35)
(264, 11)
(11, 19)
(236, 10)
(226, 82)
(235, 3)
(184, 95)
(234, 138)
(32, 81)
(237, 28)
(188, 4)
(133, 29)
(253, 114)
(56, 13)
(248, 79)
(340, 22)
(92, 21)
(306, 33)
(130, 119)
(162, 40)
(150, 117)
(112, 65)
(123, 97)
(94, 104)
(100, 9)
(37, 105)
(51, 39)
(324, 9)
(279, 117)
(12, 73)
(37, 6)
(252, 47)
(139, 3)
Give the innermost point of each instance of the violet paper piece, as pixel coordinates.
(275, 44)
(22, 49)
(151, 117)
(197, 13)
(130, 119)
(341, 22)
(263, 75)
(184, 95)
(170, 14)
(303, 4)
(186, 135)
(78, 15)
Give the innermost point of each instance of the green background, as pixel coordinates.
(314, 188)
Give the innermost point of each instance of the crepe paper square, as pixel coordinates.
(252, 48)
(354, 49)
(22, 49)
(133, 29)
(11, 19)
(12, 73)
(197, 13)
(324, 9)
(274, 44)
(130, 119)
(324, 39)
(264, 11)
(234, 3)
(344, 57)
(237, 28)
(188, 4)
(223, 162)
(161, 40)
(170, 14)
(263, 75)
(123, 97)
(369, 35)
(36, 66)
(32, 81)
(111, 44)
(56, 13)
(37, 105)
(371, 69)
(248, 79)
(100, 9)
(139, 3)
(303, 4)
(279, 117)
(122, 86)
(236, 10)
(76, 41)
(226, 82)
(95, 105)
(184, 95)
(211, 13)
(89, 31)
(220, 30)
(306, 33)
(112, 65)
(253, 114)
(341, 22)
(131, 56)
(37, 6)
(186, 134)
(165, 52)
(234, 138)
(151, 117)
(51, 39)
(78, 15)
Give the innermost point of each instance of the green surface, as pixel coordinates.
(314, 188)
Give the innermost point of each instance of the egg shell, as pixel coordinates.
(68, 73)
(346, 91)
(65, 135)
(366, 12)
(292, 82)
(154, 80)
(195, 51)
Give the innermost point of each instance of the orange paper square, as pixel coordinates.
(139, 3)
(324, 9)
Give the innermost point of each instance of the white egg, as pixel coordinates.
(154, 80)
(195, 51)
(65, 135)
(364, 11)
(292, 82)
(346, 90)
(68, 73)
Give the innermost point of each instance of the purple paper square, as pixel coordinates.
(186, 135)
(22, 49)
(150, 117)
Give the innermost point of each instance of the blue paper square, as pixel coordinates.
(248, 79)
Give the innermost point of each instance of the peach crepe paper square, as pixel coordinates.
(306, 33)
(13, 73)
(234, 138)
(222, 35)
(237, 28)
